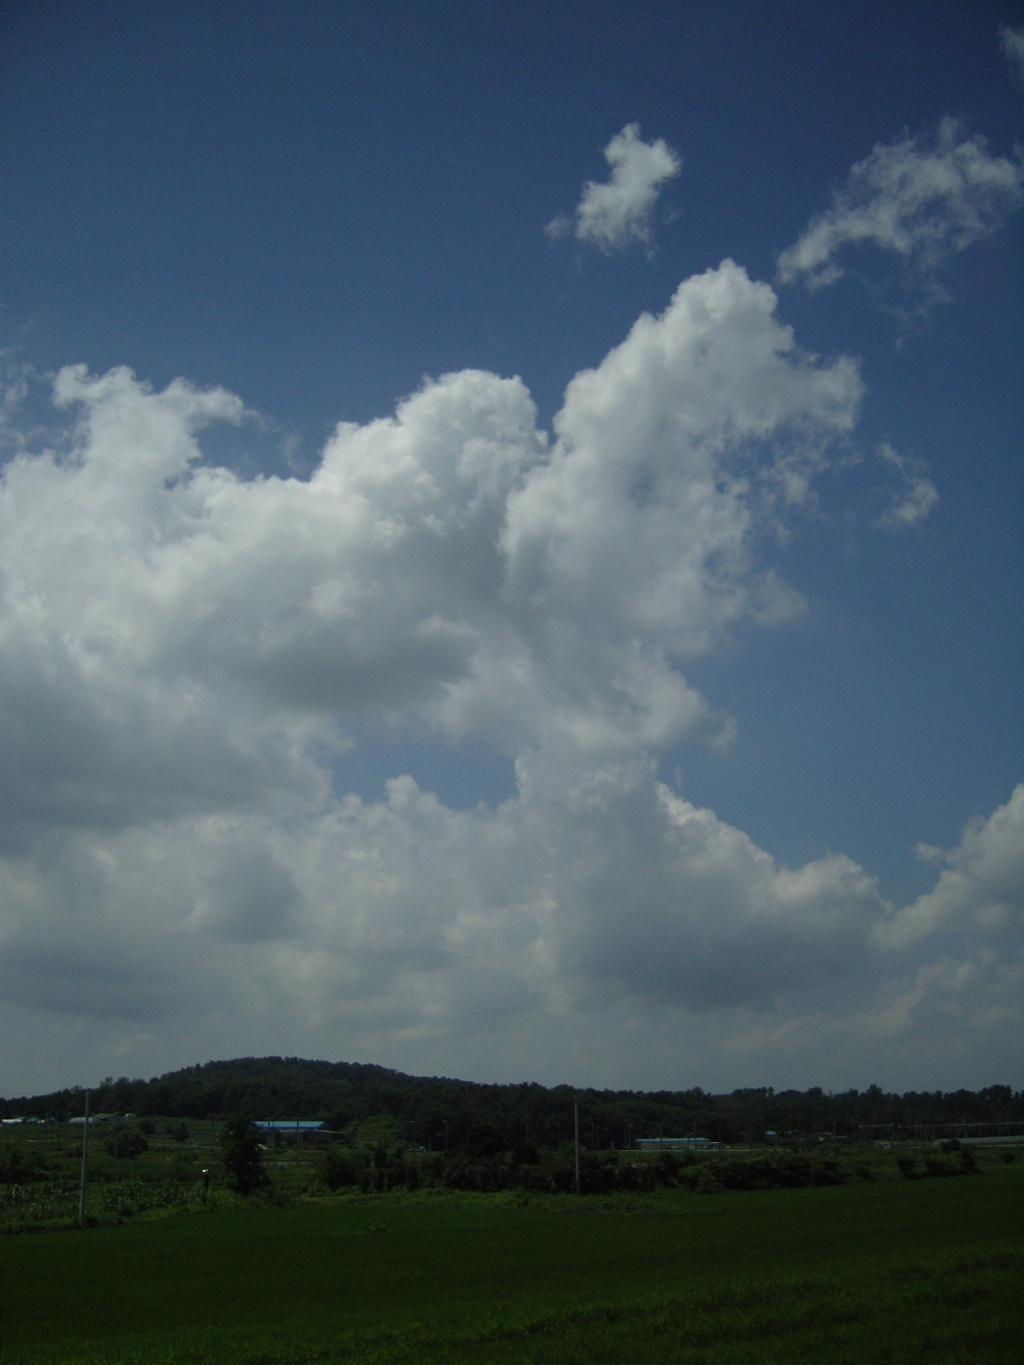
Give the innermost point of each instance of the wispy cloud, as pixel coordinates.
(916, 496)
(620, 213)
(1012, 42)
(924, 201)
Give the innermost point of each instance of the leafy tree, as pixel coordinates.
(484, 1140)
(242, 1154)
(338, 1168)
(357, 1094)
(128, 1143)
(524, 1153)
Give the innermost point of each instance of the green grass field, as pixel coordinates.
(923, 1270)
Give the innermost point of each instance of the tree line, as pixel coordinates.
(436, 1111)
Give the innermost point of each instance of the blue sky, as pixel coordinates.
(628, 692)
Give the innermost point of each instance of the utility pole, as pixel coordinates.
(85, 1152)
(576, 1124)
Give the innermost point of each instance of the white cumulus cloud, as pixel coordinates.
(619, 213)
(982, 887)
(185, 651)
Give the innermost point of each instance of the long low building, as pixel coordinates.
(662, 1144)
(290, 1130)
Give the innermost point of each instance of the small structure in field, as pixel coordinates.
(291, 1130)
(669, 1144)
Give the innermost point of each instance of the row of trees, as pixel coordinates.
(433, 1112)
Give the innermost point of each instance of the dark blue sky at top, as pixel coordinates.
(316, 205)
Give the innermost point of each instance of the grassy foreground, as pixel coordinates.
(927, 1270)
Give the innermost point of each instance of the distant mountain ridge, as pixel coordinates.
(421, 1109)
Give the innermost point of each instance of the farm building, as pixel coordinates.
(666, 1144)
(291, 1130)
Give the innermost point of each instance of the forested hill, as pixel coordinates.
(347, 1095)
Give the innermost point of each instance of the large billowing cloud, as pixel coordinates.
(923, 201)
(183, 651)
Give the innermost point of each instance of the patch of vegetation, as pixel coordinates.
(20, 1162)
(126, 1143)
(435, 1111)
(920, 1270)
(242, 1154)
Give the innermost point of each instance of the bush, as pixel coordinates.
(781, 1171)
(935, 1166)
(705, 1180)
(126, 1144)
(483, 1140)
(525, 1154)
(338, 1168)
(18, 1166)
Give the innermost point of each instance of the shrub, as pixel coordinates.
(827, 1171)
(934, 1165)
(338, 1168)
(18, 1165)
(483, 1140)
(127, 1144)
(525, 1154)
(706, 1180)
